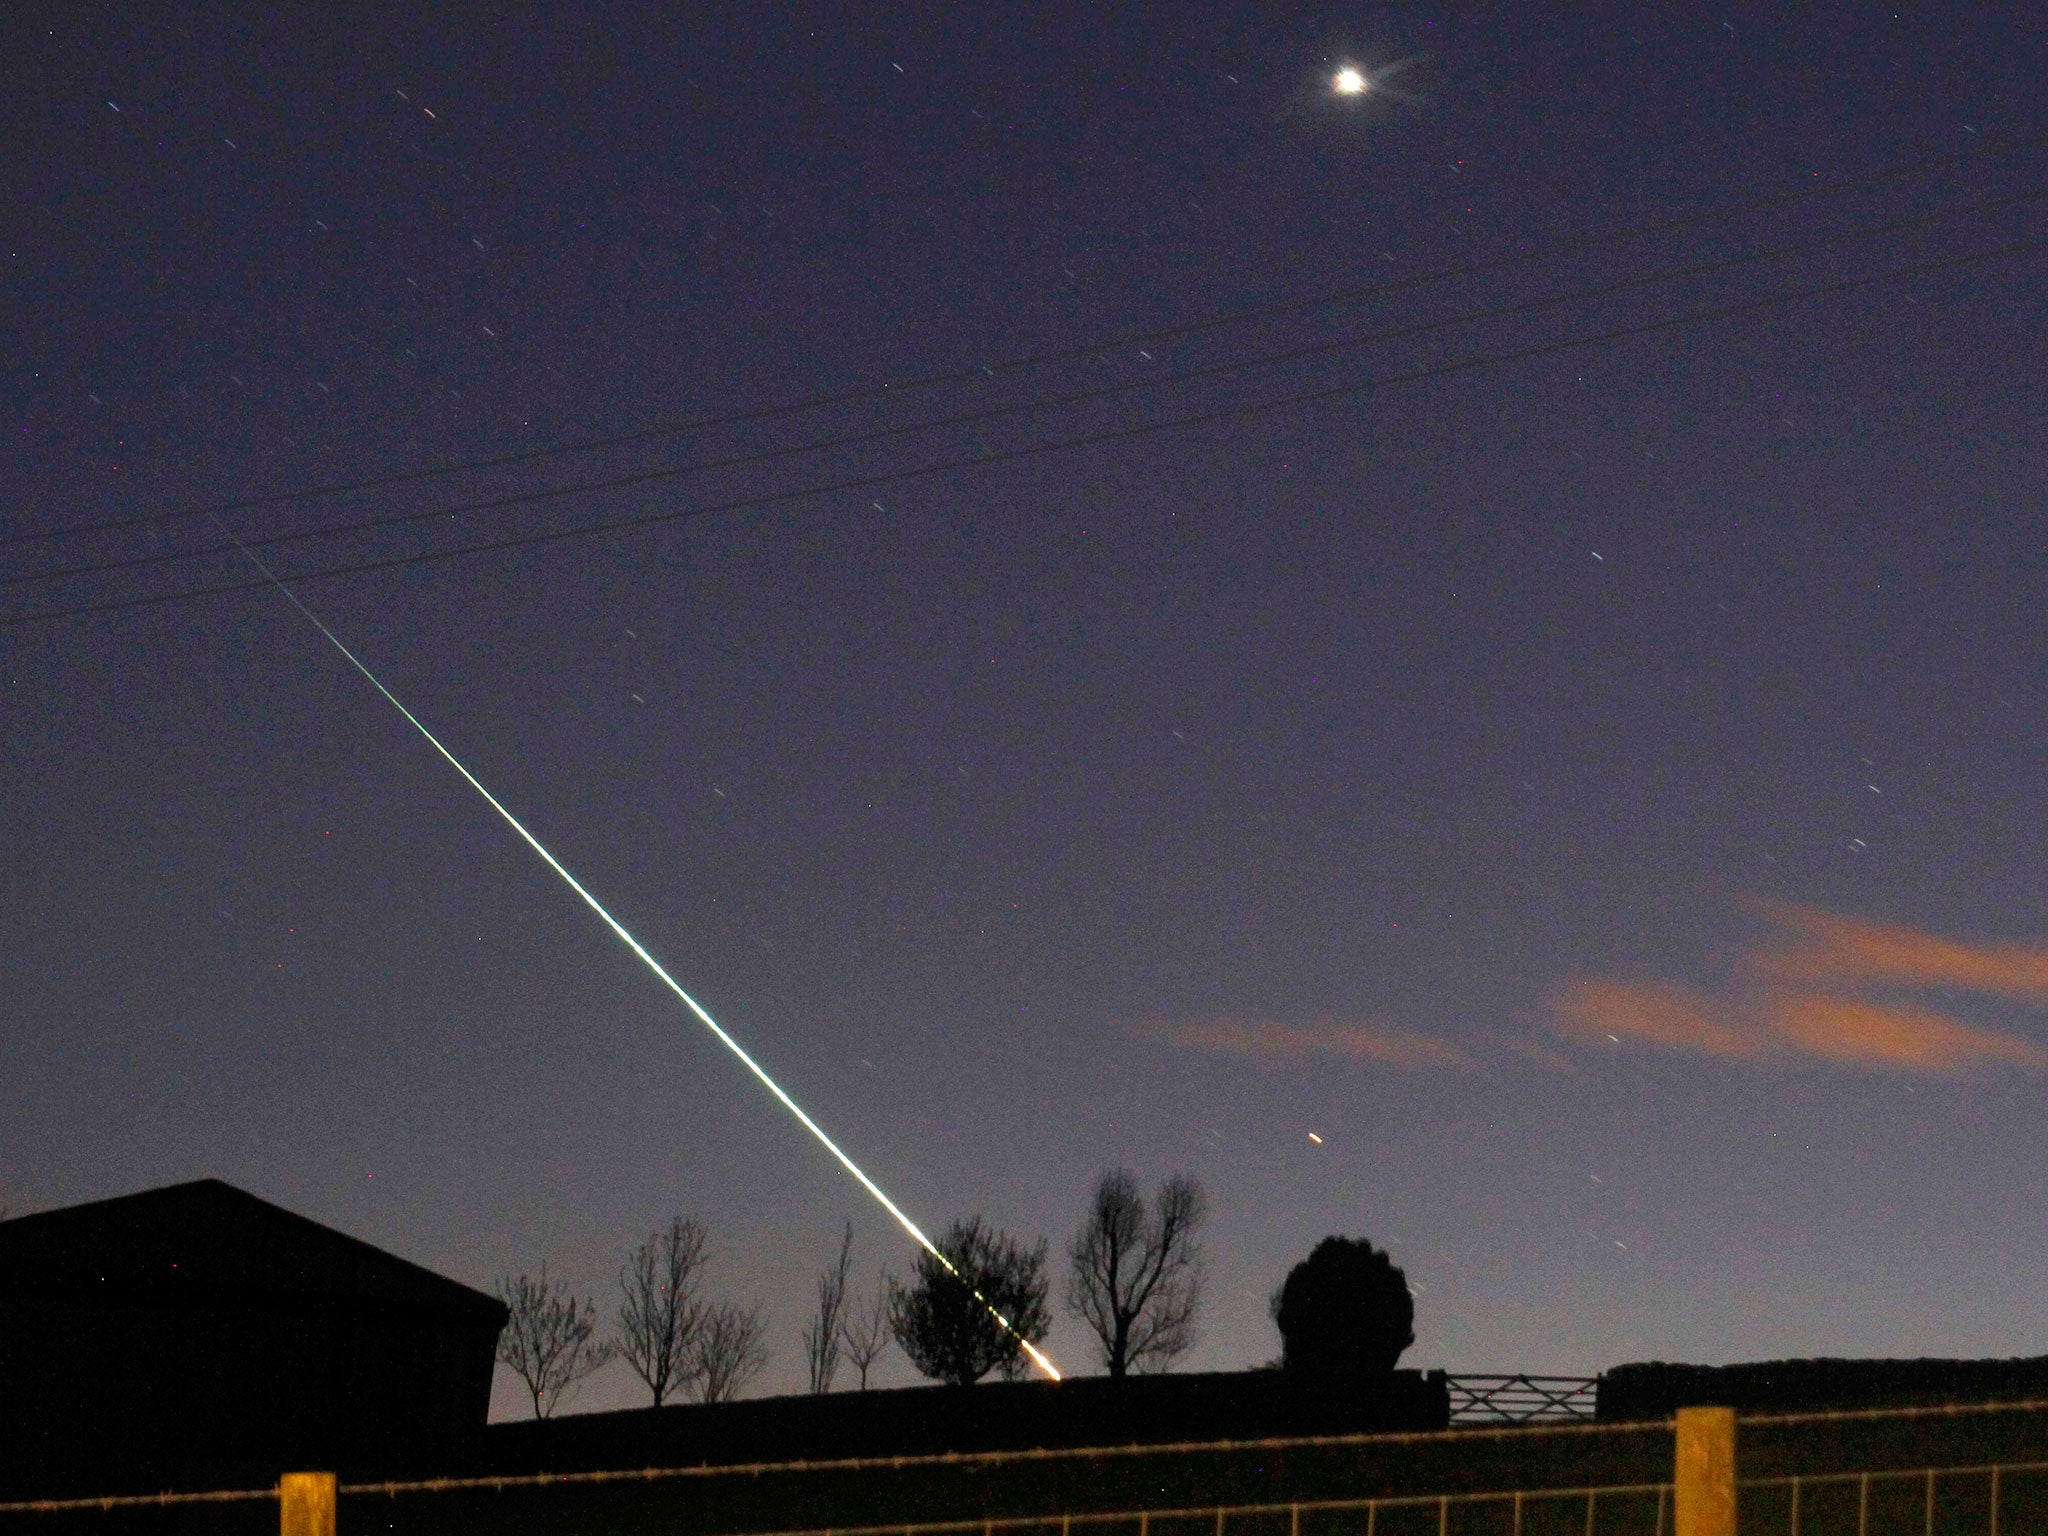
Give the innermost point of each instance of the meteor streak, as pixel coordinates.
(1038, 1357)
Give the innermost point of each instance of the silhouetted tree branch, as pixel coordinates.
(729, 1351)
(1136, 1271)
(548, 1340)
(865, 1330)
(659, 1314)
(946, 1331)
(821, 1335)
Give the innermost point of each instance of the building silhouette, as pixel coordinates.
(196, 1335)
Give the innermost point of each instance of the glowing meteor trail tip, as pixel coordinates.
(619, 930)
(1349, 82)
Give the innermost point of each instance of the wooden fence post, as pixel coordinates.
(1704, 1472)
(305, 1504)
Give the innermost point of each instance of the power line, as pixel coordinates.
(1295, 307)
(1049, 402)
(1010, 455)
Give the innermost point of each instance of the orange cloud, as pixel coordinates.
(1662, 1013)
(1847, 1029)
(1798, 996)
(1847, 951)
(1271, 1040)
(1535, 1052)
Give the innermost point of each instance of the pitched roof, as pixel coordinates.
(193, 1242)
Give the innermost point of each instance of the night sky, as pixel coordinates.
(1596, 789)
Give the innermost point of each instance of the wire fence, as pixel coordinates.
(964, 1460)
(2003, 1499)
(1999, 1494)
(1626, 1505)
(114, 1501)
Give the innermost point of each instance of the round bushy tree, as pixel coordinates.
(1344, 1312)
(945, 1319)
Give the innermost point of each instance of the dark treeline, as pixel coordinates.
(1135, 1273)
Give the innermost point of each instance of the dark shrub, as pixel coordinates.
(1344, 1312)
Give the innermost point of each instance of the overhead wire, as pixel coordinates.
(1046, 403)
(1720, 213)
(1241, 411)
(1032, 450)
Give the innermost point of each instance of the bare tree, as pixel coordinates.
(1136, 1276)
(549, 1339)
(659, 1314)
(865, 1330)
(821, 1334)
(729, 1351)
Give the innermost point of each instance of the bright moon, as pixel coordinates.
(1350, 83)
